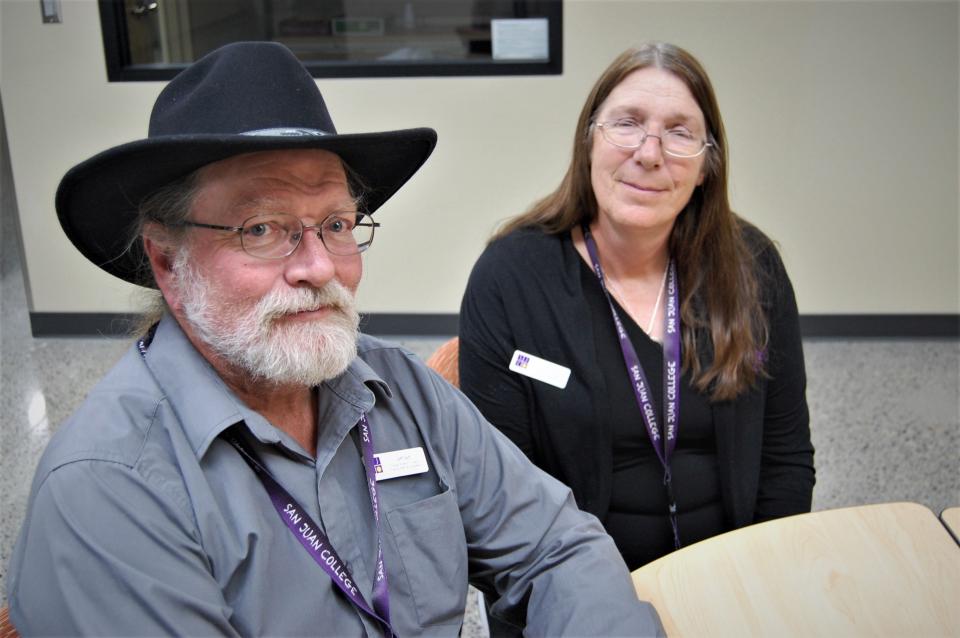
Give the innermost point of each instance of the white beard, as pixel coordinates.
(249, 337)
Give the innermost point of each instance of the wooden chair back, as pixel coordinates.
(446, 361)
(7, 630)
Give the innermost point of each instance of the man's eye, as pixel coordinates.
(338, 225)
(262, 229)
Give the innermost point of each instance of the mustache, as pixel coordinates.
(281, 301)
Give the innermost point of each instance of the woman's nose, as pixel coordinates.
(650, 152)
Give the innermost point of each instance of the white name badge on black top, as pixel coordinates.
(540, 369)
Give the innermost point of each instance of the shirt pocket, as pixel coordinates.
(432, 551)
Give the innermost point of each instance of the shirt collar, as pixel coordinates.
(203, 403)
(356, 385)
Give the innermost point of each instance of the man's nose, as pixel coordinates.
(311, 263)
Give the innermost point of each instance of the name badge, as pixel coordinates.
(539, 369)
(388, 465)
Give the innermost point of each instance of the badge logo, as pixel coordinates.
(540, 369)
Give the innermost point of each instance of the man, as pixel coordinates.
(251, 467)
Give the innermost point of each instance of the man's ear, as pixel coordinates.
(161, 256)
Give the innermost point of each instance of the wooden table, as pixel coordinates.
(874, 570)
(951, 518)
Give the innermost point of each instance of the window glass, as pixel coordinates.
(154, 39)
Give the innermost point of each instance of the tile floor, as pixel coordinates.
(885, 415)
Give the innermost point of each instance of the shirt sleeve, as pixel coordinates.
(109, 554)
(551, 567)
(786, 466)
(486, 345)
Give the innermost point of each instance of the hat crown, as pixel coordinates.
(246, 97)
(241, 88)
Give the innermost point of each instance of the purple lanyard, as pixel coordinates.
(308, 533)
(641, 387)
(311, 536)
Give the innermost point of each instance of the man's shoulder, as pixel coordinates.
(397, 367)
(112, 422)
(369, 344)
(371, 348)
(385, 356)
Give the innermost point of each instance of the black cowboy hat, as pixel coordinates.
(241, 98)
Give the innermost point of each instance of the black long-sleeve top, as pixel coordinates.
(526, 292)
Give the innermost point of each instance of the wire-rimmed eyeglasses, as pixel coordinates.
(277, 235)
(676, 142)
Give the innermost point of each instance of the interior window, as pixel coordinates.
(154, 39)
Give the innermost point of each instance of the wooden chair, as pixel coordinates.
(445, 361)
(7, 630)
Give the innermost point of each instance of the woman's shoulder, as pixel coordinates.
(761, 249)
(523, 260)
(527, 245)
(755, 239)
(771, 274)
(529, 238)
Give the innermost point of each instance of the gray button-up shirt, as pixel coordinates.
(144, 521)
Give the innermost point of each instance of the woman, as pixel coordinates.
(640, 234)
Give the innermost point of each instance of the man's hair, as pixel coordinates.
(720, 302)
(159, 217)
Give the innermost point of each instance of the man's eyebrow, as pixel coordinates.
(253, 202)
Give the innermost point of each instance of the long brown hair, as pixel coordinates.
(718, 281)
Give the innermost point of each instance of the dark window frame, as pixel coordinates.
(116, 50)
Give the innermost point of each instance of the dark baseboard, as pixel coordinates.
(80, 324)
(881, 326)
(380, 323)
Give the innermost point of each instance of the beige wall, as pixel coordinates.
(842, 118)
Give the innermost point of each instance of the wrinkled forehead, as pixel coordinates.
(283, 177)
(653, 88)
(305, 167)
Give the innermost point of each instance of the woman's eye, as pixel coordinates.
(681, 133)
(626, 123)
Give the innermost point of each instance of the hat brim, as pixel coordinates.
(97, 200)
